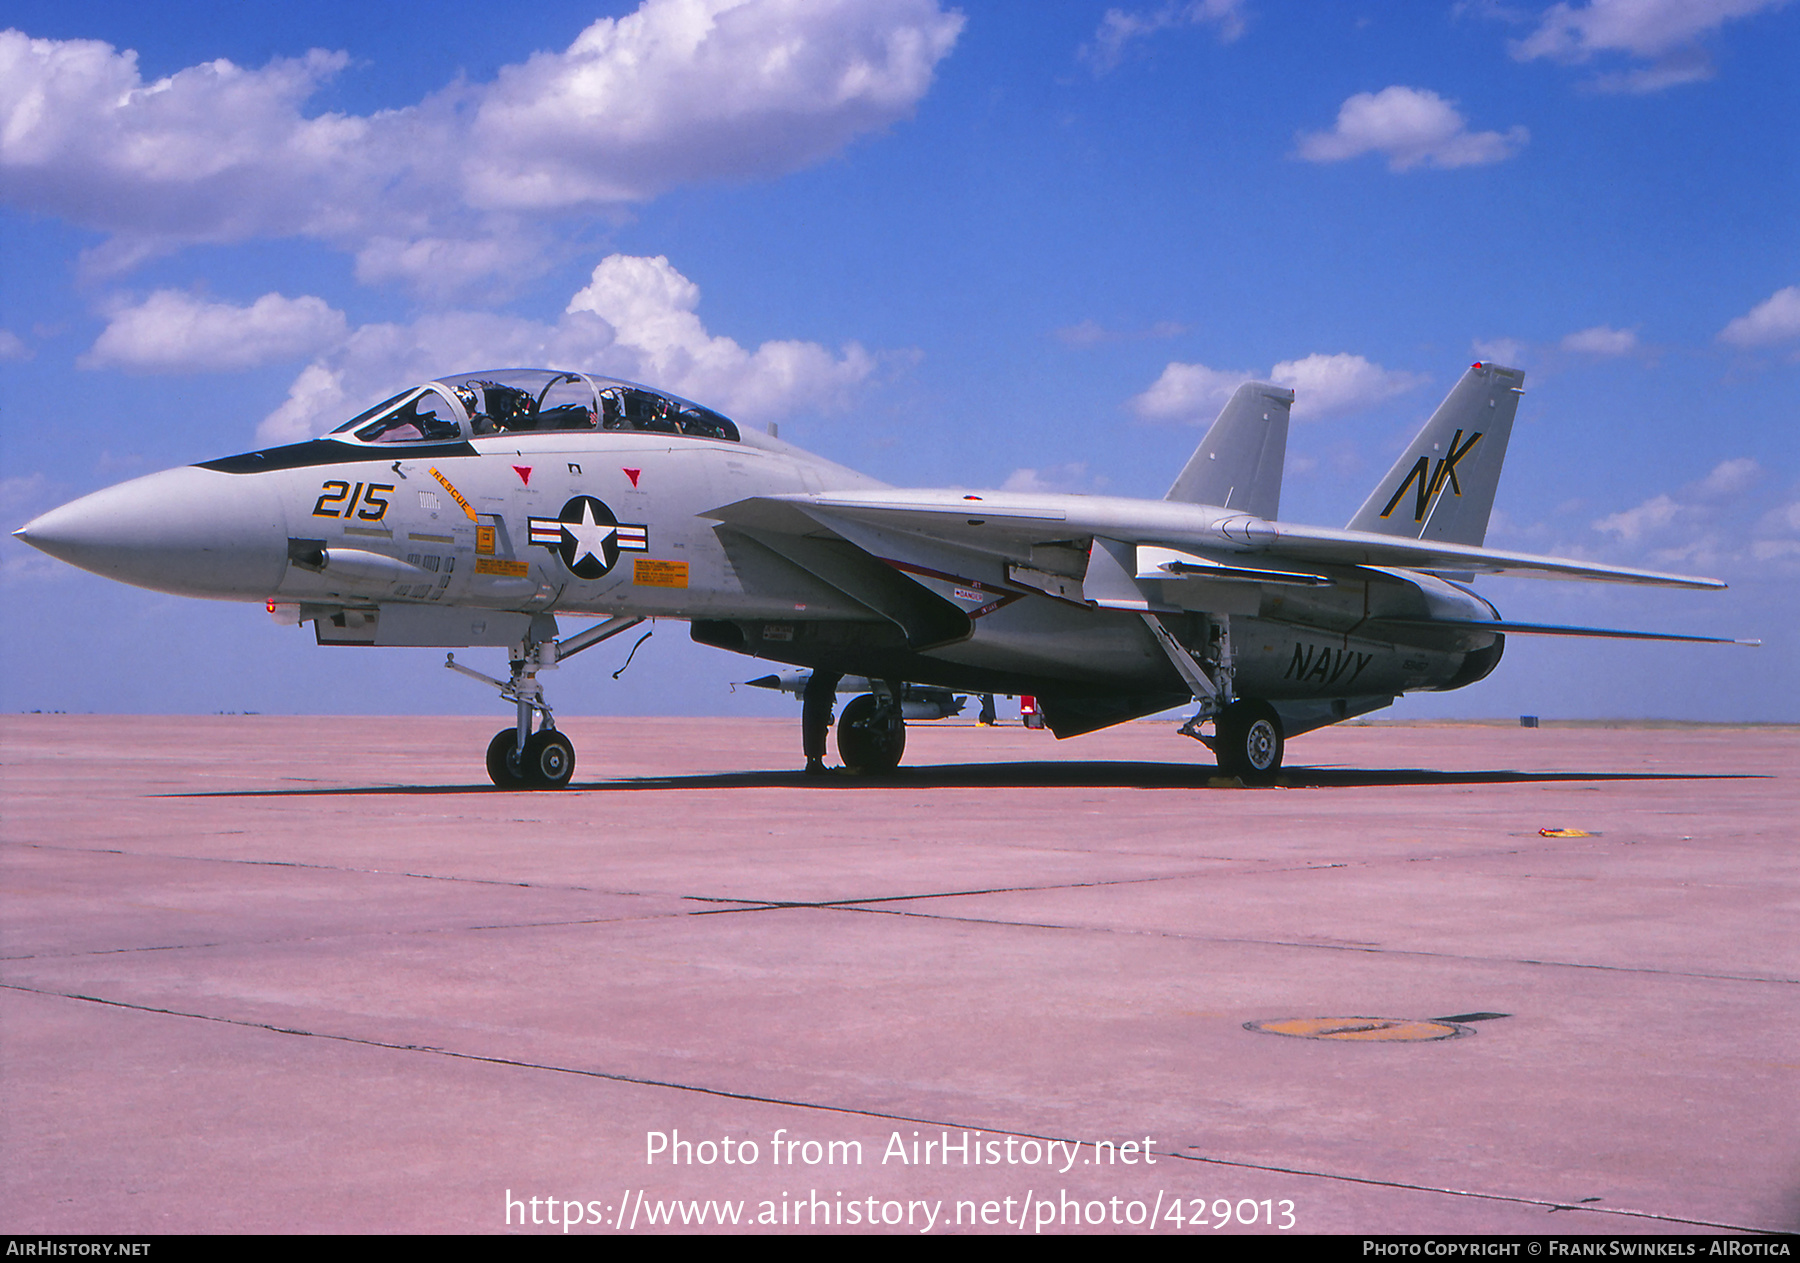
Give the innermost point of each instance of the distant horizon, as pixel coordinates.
(1486, 721)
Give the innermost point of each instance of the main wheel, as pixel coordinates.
(502, 765)
(549, 759)
(1249, 742)
(871, 739)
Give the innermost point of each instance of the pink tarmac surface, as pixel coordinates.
(316, 975)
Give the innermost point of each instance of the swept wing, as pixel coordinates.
(1010, 524)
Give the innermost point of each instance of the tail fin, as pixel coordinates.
(1238, 464)
(1459, 452)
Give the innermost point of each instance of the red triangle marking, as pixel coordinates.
(524, 472)
(633, 475)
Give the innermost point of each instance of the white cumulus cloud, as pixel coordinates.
(1601, 340)
(1188, 392)
(456, 186)
(635, 319)
(1665, 33)
(1776, 319)
(1328, 386)
(12, 347)
(1654, 516)
(1119, 27)
(686, 90)
(1411, 127)
(1729, 478)
(1507, 351)
(1072, 478)
(1710, 523)
(1324, 386)
(175, 332)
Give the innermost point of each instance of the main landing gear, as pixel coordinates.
(517, 757)
(1247, 741)
(1247, 738)
(871, 733)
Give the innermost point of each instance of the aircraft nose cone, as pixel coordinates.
(189, 531)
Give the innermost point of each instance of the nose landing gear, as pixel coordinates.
(546, 762)
(517, 757)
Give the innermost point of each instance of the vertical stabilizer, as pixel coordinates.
(1442, 487)
(1238, 464)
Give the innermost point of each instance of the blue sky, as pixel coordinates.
(1013, 244)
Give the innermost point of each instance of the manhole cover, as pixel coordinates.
(1390, 1029)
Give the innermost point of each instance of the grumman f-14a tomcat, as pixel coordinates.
(475, 509)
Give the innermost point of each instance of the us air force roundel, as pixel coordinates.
(588, 537)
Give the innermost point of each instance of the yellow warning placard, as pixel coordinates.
(660, 574)
(499, 565)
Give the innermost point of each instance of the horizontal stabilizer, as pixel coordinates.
(1552, 629)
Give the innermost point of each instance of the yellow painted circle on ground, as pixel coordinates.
(1385, 1029)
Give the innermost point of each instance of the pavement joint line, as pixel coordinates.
(765, 905)
(347, 934)
(1337, 947)
(119, 951)
(863, 905)
(640, 1081)
(760, 905)
(852, 905)
(323, 868)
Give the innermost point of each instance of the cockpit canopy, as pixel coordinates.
(528, 400)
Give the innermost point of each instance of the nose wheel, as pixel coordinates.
(547, 762)
(517, 757)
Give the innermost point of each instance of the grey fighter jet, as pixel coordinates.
(474, 509)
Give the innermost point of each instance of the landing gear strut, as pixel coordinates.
(1247, 738)
(517, 757)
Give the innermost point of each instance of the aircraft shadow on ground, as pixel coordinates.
(1015, 776)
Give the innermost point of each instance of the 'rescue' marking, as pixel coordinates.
(454, 493)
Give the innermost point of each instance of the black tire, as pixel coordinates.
(1249, 742)
(502, 767)
(869, 741)
(549, 759)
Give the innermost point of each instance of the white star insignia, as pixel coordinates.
(589, 535)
